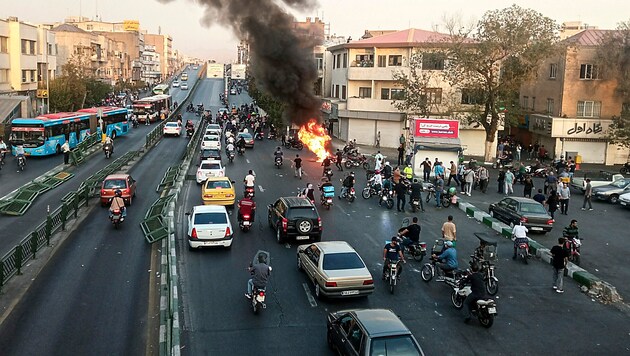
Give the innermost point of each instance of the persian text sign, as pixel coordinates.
(436, 128)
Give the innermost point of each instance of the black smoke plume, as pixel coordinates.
(281, 59)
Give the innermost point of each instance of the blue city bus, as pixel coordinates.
(115, 120)
(44, 135)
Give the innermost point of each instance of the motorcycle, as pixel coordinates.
(258, 295)
(415, 204)
(189, 132)
(108, 151)
(231, 155)
(271, 136)
(391, 275)
(501, 162)
(259, 136)
(326, 198)
(572, 246)
(625, 169)
(245, 219)
(486, 263)
(522, 248)
(241, 150)
(21, 162)
(429, 269)
(134, 123)
(2, 156)
(349, 194)
(369, 190)
(357, 161)
(387, 198)
(328, 173)
(485, 309)
(278, 162)
(116, 218)
(417, 250)
(249, 192)
(294, 144)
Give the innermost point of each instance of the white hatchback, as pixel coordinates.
(211, 141)
(209, 226)
(209, 168)
(213, 129)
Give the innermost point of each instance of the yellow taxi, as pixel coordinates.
(218, 191)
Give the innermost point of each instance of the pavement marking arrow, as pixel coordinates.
(309, 296)
(261, 188)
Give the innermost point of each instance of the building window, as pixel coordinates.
(395, 60)
(24, 76)
(33, 74)
(345, 60)
(24, 47)
(336, 91)
(526, 102)
(589, 108)
(365, 92)
(334, 62)
(32, 47)
(338, 61)
(364, 60)
(553, 70)
(433, 95)
(533, 103)
(343, 92)
(397, 94)
(382, 61)
(4, 44)
(385, 94)
(4, 75)
(471, 97)
(433, 61)
(589, 72)
(90, 27)
(549, 106)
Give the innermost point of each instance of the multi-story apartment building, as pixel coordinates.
(571, 103)
(151, 66)
(163, 46)
(360, 90)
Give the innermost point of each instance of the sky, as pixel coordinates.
(182, 18)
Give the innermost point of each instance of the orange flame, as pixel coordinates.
(314, 136)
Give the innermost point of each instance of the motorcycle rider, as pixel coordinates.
(278, 153)
(3, 148)
(260, 275)
(347, 183)
(449, 258)
(241, 143)
(571, 231)
(308, 192)
(246, 206)
(391, 254)
(387, 171)
(411, 233)
(118, 203)
(108, 143)
(19, 152)
(338, 159)
(325, 182)
(229, 148)
(326, 164)
(519, 232)
(376, 181)
(250, 180)
(478, 289)
(416, 192)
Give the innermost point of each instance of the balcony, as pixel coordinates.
(364, 104)
(374, 73)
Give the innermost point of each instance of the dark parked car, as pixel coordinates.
(295, 217)
(209, 154)
(513, 210)
(370, 332)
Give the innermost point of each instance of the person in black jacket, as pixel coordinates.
(401, 195)
(478, 291)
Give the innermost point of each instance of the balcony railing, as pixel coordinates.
(362, 64)
(375, 73)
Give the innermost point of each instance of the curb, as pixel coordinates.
(595, 285)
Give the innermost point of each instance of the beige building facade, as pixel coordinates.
(361, 89)
(572, 103)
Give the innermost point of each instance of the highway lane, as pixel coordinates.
(216, 317)
(93, 296)
(12, 179)
(14, 228)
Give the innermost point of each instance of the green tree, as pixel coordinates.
(414, 100)
(67, 92)
(272, 107)
(500, 53)
(96, 91)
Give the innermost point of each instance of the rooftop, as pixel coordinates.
(406, 38)
(590, 37)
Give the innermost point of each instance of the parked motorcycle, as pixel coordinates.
(501, 162)
(271, 135)
(572, 246)
(278, 162)
(357, 161)
(485, 309)
(625, 169)
(294, 144)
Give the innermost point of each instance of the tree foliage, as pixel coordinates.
(272, 107)
(414, 100)
(495, 58)
(76, 88)
(614, 57)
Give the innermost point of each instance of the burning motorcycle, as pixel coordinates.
(357, 161)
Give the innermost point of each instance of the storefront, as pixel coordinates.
(435, 138)
(570, 137)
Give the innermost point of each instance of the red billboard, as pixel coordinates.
(436, 128)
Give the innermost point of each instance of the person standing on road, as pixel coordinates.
(559, 261)
(401, 154)
(452, 174)
(408, 155)
(65, 148)
(297, 165)
(552, 203)
(540, 197)
(449, 230)
(400, 189)
(518, 152)
(469, 177)
(402, 140)
(378, 139)
(408, 172)
(439, 188)
(426, 169)
(564, 194)
(509, 182)
(338, 159)
(501, 180)
(588, 194)
(484, 177)
(528, 185)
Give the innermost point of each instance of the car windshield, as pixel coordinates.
(621, 183)
(245, 135)
(114, 183)
(210, 218)
(303, 212)
(217, 184)
(211, 138)
(213, 127)
(533, 208)
(210, 166)
(343, 260)
(394, 346)
(172, 124)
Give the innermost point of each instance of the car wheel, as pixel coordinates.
(614, 199)
(492, 214)
(304, 226)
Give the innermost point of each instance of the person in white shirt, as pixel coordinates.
(377, 181)
(250, 179)
(519, 233)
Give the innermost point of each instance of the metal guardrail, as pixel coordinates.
(78, 154)
(24, 197)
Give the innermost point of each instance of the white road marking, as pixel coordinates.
(342, 209)
(309, 296)
(437, 313)
(261, 188)
(247, 160)
(287, 245)
(367, 216)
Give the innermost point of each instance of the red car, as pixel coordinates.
(112, 182)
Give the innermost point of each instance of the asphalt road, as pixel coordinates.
(14, 228)
(93, 296)
(216, 317)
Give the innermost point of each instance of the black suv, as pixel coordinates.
(209, 153)
(295, 217)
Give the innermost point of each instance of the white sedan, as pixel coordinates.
(172, 128)
(209, 168)
(209, 226)
(211, 141)
(213, 129)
